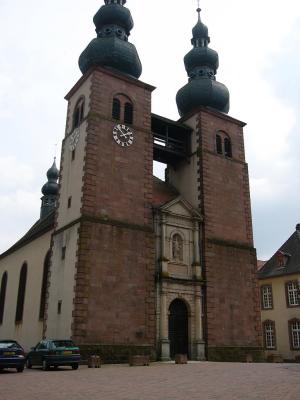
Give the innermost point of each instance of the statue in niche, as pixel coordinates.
(177, 248)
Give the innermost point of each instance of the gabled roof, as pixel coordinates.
(186, 207)
(38, 229)
(291, 248)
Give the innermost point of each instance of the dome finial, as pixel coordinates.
(199, 11)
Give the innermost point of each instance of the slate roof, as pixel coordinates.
(162, 192)
(37, 230)
(292, 249)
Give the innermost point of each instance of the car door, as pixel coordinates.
(39, 353)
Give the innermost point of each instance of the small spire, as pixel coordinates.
(199, 11)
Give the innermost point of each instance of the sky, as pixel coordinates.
(258, 45)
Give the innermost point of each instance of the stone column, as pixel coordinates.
(196, 263)
(164, 262)
(199, 342)
(164, 328)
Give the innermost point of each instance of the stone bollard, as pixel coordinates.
(139, 361)
(94, 362)
(181, 359)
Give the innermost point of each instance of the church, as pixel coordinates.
(121, 261)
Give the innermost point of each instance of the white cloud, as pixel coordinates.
(40, 45)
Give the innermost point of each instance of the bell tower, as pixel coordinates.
(214, 179)
(102, 280)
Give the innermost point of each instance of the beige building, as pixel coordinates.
(279, 281)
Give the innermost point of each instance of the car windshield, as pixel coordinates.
(63, 343)
(9, 345)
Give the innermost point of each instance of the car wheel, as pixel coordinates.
(45, 366)
(74, 366)
(28, 364)
(20, 369)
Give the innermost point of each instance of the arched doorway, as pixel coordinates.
(178, 328)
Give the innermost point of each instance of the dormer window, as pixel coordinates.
(282, 259)
(78, 113)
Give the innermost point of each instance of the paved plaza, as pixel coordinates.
(201, 381)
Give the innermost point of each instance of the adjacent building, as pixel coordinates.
(279, 281)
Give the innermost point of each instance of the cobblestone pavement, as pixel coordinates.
(201, 381)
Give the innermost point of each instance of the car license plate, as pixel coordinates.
(9, 353)
(67, 353)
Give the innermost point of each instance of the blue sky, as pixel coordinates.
(258, 45)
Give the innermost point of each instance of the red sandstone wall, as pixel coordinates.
(115, 295)
(233, 314)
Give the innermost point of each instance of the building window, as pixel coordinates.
(219, 144)
(116, 109)
(21, 294)
(73, 154)
(292, 293)
(69, 202)
(223, 144)
(2, 295)
(177, 248)
(266, 297)
(128, 113)
(294, 327)
(63, 252)
(78, 113)
(59, 305)
(44, 286)
(227, 147)
(269, 335)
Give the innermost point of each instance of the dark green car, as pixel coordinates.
(54, 353)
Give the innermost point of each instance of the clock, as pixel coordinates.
(123, 135)
(74, 138)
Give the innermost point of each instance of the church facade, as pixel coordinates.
(120, 261)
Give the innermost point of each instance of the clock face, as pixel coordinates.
(74, 137)
(123, 135)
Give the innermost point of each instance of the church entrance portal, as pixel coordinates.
(178, 328)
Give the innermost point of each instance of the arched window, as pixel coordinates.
(177, 248)
(223, 144)
(219, 144)
(116, 109)
(78, 113)
(2, 295)
(227, 147)
(128, 113)
(21, 294)
(44, 286)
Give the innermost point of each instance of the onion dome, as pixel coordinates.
(111, 48)
(50, 191)
(201, 64)
(51, 187)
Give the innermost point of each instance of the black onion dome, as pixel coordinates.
(202, 92)
(111, 48)
(51, 187)
(200, 31)
(114, 14)
(201, 64)
(203, 56)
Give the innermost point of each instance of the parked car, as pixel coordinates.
(11, 355)
(48, 353)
